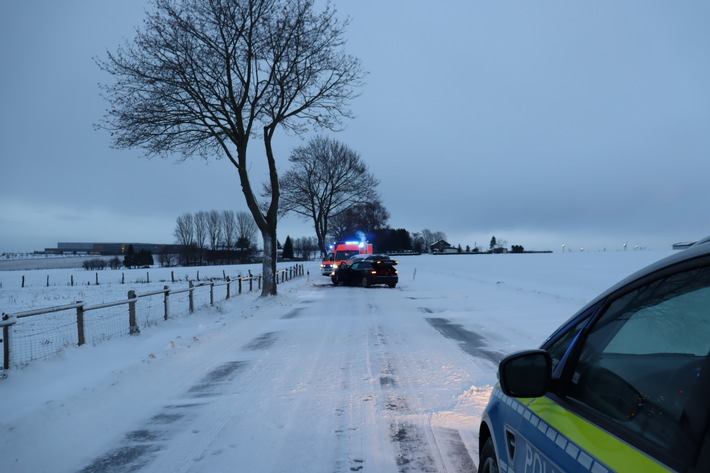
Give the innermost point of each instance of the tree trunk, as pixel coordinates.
(269, 221)
(269, 265)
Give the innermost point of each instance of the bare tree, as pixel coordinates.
(306, 247)
(214, 228)
(185, 235)
(200, 225)
(326, 178)
(439, 235)
(359, 219)
(300, 247)
(229, 228)
(203, 77)
(246, 230)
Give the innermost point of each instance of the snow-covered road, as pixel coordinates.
(317, 379)
(344, 380)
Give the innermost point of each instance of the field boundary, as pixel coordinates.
(45, 332)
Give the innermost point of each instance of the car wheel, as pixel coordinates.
(335, 281)
(489, 464)
(392, 284)
(365, 282)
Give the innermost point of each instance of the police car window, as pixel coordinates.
(558, 348)
(641, 360)
(680, 325)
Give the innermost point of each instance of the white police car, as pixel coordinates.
(624, 385)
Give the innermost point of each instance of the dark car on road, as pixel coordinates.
(623, 385)
(366, 271)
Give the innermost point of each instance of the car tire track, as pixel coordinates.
(418, 445)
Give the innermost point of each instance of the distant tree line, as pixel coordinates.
(94, 264)
(130, 260)
(216, 237)
(137, 260)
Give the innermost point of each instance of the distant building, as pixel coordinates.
(108, 249)
(440, 246)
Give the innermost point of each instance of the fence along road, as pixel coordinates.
(45, 332)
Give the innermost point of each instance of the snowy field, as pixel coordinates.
(316, 379)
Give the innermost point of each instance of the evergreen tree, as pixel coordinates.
(129, 260)
(144, 258)
(288, 248)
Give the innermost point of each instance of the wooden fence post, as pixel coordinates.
(80, 322)
(6, 322)
(229, 286)
(166, 301)
(191, 298)
(251, 283)
(134, 329)
(240, 284)
(211, 293)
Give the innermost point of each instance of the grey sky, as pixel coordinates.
(543, 123)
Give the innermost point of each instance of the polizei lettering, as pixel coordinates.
(536, 463)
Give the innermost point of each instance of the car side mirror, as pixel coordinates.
(526, 373)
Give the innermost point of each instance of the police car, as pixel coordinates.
(624, 385)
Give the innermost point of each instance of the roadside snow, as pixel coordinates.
(315, 379)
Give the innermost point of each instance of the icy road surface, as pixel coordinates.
(317, 379)
(345, 380)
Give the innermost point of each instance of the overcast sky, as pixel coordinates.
(545, 123)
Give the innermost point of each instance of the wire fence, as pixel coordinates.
(44, 333)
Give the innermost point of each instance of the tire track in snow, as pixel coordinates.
(142, 446)
(419, 446)
(470, 342)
